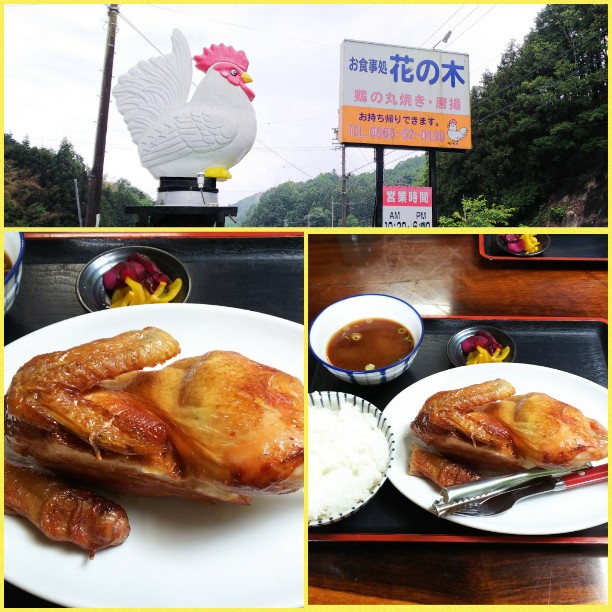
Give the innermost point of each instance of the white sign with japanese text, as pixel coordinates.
(407, 207)
(401, 96)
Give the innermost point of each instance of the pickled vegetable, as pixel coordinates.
(139, 281)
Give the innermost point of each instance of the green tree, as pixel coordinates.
(477, 212)
(540, 121)
(115, 198)
(58, 178)
(23, 199)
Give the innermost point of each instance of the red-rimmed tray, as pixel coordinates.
(563, 248)
(390, 516)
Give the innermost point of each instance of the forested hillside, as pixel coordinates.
(318, 202)
(540, 137)
(39, 189)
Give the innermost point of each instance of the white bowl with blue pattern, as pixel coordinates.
(356, 308)
(14, 247)
(333, 400)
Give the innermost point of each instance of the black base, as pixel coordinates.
(182, 216)
(186, 183)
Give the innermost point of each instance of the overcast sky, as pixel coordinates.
(53, 57)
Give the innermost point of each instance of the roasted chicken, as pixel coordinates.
(215, 427)
(487, 426)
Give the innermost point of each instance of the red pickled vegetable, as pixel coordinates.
(132, 270)
(469, 344)
(112, 279)
(492, 343)
(516, 247)
(139, 268)
(482, 338)
(154, 274)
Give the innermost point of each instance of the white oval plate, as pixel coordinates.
(564, 512)
(179, 553)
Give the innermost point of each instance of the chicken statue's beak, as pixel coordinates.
(247, 79)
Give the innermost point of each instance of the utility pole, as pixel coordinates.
(97, 170)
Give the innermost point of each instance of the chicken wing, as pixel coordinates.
(453, 422)
(62, 512)
(50, 392)
(443, 472)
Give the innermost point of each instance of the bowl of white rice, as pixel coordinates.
(350, 449)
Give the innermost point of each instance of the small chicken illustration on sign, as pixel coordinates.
(177, 137)
(454, 134)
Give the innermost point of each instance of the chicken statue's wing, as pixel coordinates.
(154, 87)
(198, 130)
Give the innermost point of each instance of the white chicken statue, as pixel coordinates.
(179, 138)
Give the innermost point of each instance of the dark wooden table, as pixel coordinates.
(259, 272)
(446, 276)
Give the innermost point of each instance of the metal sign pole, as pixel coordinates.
(432, 184)
(379, 156)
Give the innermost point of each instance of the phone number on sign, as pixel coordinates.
(407, 134)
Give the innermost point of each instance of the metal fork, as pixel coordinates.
(504, 501)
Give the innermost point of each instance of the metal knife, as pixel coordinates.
(504, 501)
(456, 497)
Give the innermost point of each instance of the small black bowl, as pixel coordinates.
(543, 239)
(458, 357)
(90, 288)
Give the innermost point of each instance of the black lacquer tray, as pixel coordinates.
(569, 248)
(263, 273)
(575, 346)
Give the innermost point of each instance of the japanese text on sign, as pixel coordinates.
(404, 97)
(407, 206)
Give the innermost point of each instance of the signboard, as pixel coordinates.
(407, 207)
(404, 97)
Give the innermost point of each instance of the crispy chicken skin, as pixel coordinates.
(215, 427)
(63, 513)
(547, 432)
(487, 426)
(238, 422)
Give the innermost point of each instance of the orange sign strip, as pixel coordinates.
(406, 128)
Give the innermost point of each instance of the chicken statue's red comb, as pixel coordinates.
(221, 53)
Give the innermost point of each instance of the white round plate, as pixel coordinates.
(179, 553)
(564, 512)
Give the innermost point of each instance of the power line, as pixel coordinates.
(283, 158)
(235, 25)
(544, 87)
(537, 71)
(139, 32)
(436, 31)
(456, 38)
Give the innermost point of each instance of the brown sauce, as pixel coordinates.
(8, 264)
(369, 344)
